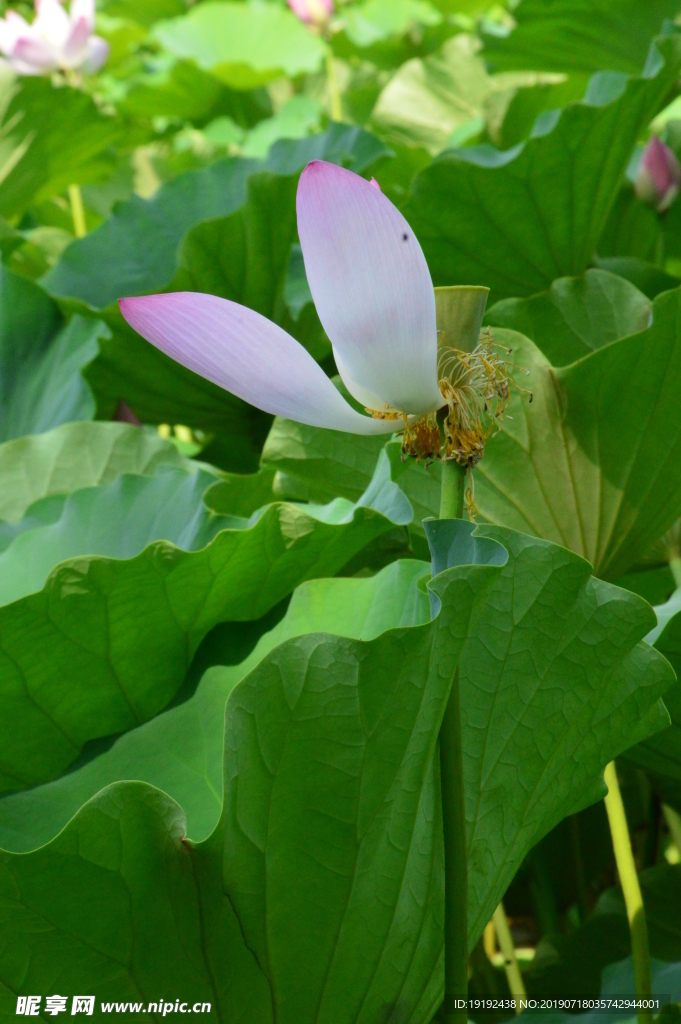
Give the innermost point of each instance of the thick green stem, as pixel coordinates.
(456, 868)
(631, 889)
(453, 806)
(77, 211)
(453, 490)
(335, 99)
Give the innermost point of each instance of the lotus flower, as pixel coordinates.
(659, 175)
(312, 12)
(375, 298)
(55, 40)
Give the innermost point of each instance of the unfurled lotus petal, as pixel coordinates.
(239, 350)
(83, 9)
(32, 57)
(54, 41)
(659, 175)
(51, 22)
(96, 53)
(372, 289)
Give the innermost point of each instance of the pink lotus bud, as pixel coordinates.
(312, 12)
(659, 175)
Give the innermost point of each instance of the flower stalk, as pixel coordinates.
(77, 211)
(452, 490)
(335, 99)
(631, 889)
(456, 860)
(511, 968)
(453, 803)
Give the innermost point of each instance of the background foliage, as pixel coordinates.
(220, 683)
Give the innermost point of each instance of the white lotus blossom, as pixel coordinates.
(375, 298)
(54, 41)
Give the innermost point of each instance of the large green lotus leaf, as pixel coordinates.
(121, 907)
(144, 14)
(648, 278)
(228, 230)
(315, 465)
(112, 637)
(372, 21)
(580, 35)
(74, 456)
(635, 231)
(181, 750)
(184, 91)
(660, 755)
(594, 462)
(125, 853)
(533, 99)
(330, 842)
(137, 250)
(387, 697)
(51, 138)
(243, 45)
(427, 100)
(312, 464)
(116, 521)
(576, 315)
(41, 385)
(533, 757)
(517, 220)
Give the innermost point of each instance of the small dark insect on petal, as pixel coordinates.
(405, 237)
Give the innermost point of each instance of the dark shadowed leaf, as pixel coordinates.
(515, 221)
(113, 636)
(580, 35)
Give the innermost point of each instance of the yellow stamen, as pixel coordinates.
(476, 391)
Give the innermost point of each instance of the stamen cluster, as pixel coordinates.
(476, 388)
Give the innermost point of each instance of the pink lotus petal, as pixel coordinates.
(659, 175)
(372, 288)
(83, 9)
(51, 22)
(312, 12)
(96, 53)
(33, 56)
(12, 28)
(72, 52)
(242, 352)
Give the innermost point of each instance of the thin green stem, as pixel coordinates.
(453, 490)
(513, 976)
(578, 863)
(335, 98)
(456, 866)
(673, 819)
(77, 211)
(453, 805)
(675, 566)
(626, 868)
